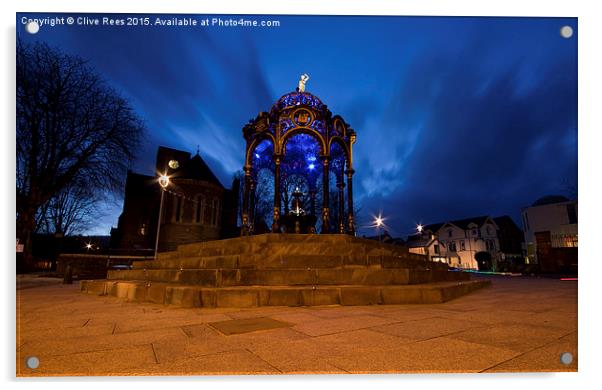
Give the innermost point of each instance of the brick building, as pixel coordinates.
(196, 206)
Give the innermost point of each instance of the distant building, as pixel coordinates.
(386, 238)
(429, 245)
(48, 247)
(500, 237)
(196, 205)
(550, 231)
(510, 238)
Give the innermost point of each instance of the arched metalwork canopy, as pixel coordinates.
(299, 137)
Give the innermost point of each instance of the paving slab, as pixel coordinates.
(238, 362)
(278, 336)
(247, 325)
(428, 328)
(434, 355)
(405, 314)
(67, 346)
(339, 325)
(516, 337)
(318, 354)
(544, 358)
(121, 361)
(200, 340)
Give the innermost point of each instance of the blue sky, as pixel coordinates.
(455, 117)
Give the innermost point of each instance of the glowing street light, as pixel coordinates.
(163, 182)
(379, 223)
(419, 228)
(89, 246)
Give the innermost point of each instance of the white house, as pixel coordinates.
(468, 236)
(429, 245)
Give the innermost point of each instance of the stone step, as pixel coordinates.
(292, 277)
(198, 296)
(408, 260)
(196, 262)
(308, 244)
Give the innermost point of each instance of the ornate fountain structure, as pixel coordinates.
(302, 147)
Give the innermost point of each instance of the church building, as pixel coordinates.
(196, 206)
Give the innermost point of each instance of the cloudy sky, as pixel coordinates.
(455, 117)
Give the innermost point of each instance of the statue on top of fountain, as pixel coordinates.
(302, 81)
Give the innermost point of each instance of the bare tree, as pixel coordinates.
(71, 211)
(264, 200)
(71, 128)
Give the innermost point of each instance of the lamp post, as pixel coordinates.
(163, 182)
(378, 221)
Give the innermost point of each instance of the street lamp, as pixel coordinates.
(163, 182)
(378, 222)
(419, 228)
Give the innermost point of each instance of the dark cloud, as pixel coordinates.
(485, 143)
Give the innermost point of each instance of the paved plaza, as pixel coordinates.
(516, 324)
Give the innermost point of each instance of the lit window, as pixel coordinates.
(564, 241)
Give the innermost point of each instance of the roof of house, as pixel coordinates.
(461, 223)
(433, 227)
(507, 224)
(386, 238)
(419, 240)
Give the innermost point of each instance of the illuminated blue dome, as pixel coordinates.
(297, 98)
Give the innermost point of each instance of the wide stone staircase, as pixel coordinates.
(285, 270)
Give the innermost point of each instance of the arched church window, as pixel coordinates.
(214, 212)
(198, 210)
(177, 210)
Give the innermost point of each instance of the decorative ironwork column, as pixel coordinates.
(244, 230)
(251, 205)
(276, 223)
(350, 221)
(325, 196)
(341, 187)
